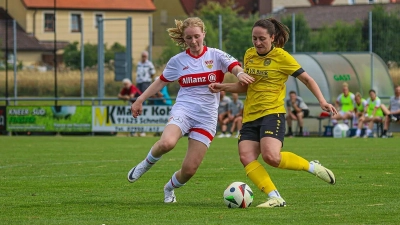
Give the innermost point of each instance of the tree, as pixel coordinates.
(302, 32)
(340, 37)
(385, 27)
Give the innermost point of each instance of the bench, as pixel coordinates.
(319, 118)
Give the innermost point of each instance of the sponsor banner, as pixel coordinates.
(3, 118)
(119, 119)
(49, 118)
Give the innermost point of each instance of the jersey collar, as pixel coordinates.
(196, 57)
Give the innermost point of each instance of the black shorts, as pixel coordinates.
(397, 116)
(268, 126)
(306, 112)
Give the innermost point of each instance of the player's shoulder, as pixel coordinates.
(300, 98)
(251, 51)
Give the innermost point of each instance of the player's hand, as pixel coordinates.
(136, 109)
(328, 108)
(215, 87)
(244, 78)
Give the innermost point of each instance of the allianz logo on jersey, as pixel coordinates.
(210, 78)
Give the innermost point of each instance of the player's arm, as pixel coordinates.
(153, 89)
(313, 87)
(228, 87)
(123, 97)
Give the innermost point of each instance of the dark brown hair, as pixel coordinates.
(276, 28)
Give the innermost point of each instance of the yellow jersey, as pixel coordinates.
(267, 93)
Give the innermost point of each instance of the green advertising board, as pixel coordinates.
(49, 118)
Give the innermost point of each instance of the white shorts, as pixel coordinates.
(200, 131)
(341, 113)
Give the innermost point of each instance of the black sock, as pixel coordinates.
(384, 132)
(301, 130)
(290, 130)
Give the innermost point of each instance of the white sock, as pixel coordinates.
(358, 132)
(311, 168)
(334, 122)
(173, 183)
(274, 193)
(369, 131)
(150, 159)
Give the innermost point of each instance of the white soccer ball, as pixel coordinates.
(238, 195)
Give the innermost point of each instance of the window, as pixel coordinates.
(75, 22)
(49, 22)
(97, 16)
(371, 1)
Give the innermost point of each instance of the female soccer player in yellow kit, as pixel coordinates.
(266, 69)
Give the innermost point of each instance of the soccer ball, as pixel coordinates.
(238, 195)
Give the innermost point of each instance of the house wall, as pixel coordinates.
(114, 31)
(17, 10)
(29, 58)
(164, 18)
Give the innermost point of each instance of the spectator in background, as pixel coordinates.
(163, 97)
(223, 110)
(236, 113)
(144, 72)
(346, 103)
(374, 114)
(129, 92)
(359, 108)
(393, 113)
(297, 109)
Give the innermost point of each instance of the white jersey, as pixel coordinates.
(194, 74)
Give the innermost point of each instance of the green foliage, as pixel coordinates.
(110, 53)
(210, 12)
(302, 32)
(340, 37)
(385, 35)
(168, 52)
(72, 55)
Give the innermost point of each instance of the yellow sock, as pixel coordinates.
(291, 161)
(257, 173)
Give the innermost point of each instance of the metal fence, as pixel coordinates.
(31, 52)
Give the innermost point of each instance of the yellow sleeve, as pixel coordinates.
(290, 66)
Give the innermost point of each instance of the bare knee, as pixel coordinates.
(272, 159)
(165, 145)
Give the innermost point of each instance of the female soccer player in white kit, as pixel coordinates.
(196, 109)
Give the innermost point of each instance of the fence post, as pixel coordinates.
(294, 33)
(220, 31)
(129, 47)
(100, 59)
(370, 48)
(150, 38)
(82, 64)
(15, 60)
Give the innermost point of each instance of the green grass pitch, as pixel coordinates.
(82, 180)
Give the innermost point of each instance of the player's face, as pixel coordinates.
(127, 85)
(345, 90)
(262, 40)
(372, 95)
(194, 38)
(358, 99)
(397, 91)
(293, 97)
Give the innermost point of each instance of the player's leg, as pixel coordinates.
(300, 116)
(249, 150)
(360, 125)
(199, 141)
(271, 152)
(370, 122)
(167, 142)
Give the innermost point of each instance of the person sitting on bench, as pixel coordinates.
(297, 110)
